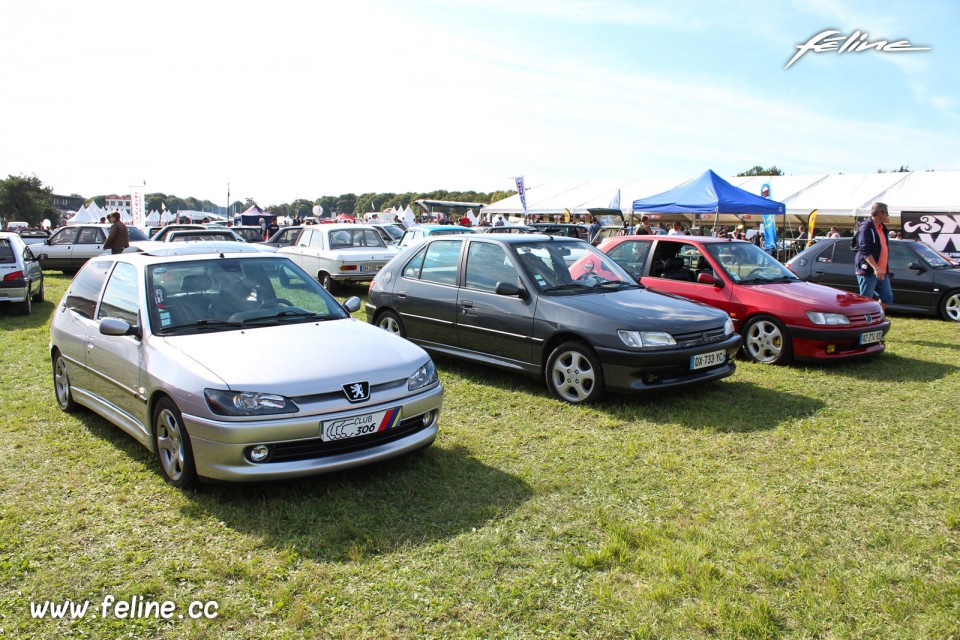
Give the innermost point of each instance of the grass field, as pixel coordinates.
(795, 502)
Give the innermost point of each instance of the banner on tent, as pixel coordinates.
(939, 230)
(138, 206)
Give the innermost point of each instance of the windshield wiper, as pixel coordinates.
(201, 325)
(281, 316)
(567, 287)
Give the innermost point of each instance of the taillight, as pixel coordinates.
(13, 275)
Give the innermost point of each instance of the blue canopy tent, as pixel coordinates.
(709, 194)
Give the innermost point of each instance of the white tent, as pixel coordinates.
(167, 216)
(153, 218)
(85, 215)
(839, 199)
(926, 191)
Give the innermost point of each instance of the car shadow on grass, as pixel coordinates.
(878, 368)
(10, 320)
(417, 499)
(705, 406)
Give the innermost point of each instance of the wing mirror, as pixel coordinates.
(118, 327)
(916, 266)
(509, 289)
(352, 304)
(706, 278)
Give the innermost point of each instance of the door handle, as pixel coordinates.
(466, 304)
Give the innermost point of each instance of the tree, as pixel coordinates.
(902, 169)
(25, 198)
(760, 171)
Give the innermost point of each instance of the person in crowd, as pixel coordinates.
(872, 255)
(263, 229)
(464, 221)
(677, 229)
(594, 229)
(103, 220)
(833, 233)
(499, 222)
(801, 233)
(644, 229)
(117, 239)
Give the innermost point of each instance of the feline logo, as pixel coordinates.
(855, 43)
(357, 391)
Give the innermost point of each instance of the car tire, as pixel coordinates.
(573, 373)
(950, 306)
(26, 307)
(38, 296)
(327, 281)
(61, 384)
(172, 444)
(391, 323)
(765, 340)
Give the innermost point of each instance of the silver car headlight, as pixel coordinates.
(728, 329)
(247, 403)
(646, 339)
(834, 319)
(425, 376)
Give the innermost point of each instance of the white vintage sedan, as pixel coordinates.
(237, 366)
(339, 253)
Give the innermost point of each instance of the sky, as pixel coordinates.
(287, 99)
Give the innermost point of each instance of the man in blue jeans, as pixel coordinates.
(872, 256)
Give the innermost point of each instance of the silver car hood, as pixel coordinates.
(302, 359)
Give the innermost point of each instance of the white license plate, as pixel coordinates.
(870, 337)
(708, 359)
(371, 267)
(362, 425)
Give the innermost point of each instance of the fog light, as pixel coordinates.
(831, 348)
(427, 418)
(259, 453)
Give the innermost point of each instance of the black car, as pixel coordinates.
(923, 280)
(562, 229)
(549, 307)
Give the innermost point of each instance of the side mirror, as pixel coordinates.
(352, 304)
(706, 278)
(118, 327)
(28, 254)
(916, 266)
(508, 289)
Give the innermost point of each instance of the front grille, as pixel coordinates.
(318, 448)
(865, 318)
(696, 338)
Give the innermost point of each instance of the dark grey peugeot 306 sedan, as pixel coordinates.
(549, 307)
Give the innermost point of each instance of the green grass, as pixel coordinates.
(795, 502)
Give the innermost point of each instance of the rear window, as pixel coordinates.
(7, 255)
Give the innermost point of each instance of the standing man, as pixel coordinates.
(117, 239)
(595, 230)
(872, 254)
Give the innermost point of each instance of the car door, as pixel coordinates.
(113, 362)
(426, 296)
(74, 320)
(32, 269)
(911, 287)
(295, 251)
(489, 323)
(57, 252)
(694, 262)
(833, 266)
(89, 245)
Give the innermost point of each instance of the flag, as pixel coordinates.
(811, 221)
(566, 215)
(522, 191)
(769, 231)
(615, 200)
(138, 205)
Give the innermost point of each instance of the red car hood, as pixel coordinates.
(817, 297)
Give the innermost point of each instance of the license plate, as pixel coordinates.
(371, 267)
(708, 359)
(870, 337)
(356, 426)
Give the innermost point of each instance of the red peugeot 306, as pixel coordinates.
(779, 316)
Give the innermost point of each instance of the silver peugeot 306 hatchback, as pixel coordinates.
(237, 365)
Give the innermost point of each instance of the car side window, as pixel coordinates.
(120, 296)
(85, 288)
(440, 262)
(90, 235)
(842, 253)
(64, 236)
(632, 256)
(7, 255)
(488, 264)
(412, 270)
(900, 257)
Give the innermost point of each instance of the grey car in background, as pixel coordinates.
(21, 278)
(237, 366)
(923, 279)
(70, 247)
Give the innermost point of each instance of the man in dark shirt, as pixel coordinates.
(117, 239)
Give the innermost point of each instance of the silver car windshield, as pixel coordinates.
(230, 293)
(571, 267)
(747, 263)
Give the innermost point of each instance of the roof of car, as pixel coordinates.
(656, 236)
(210, 247)
(440, 227)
